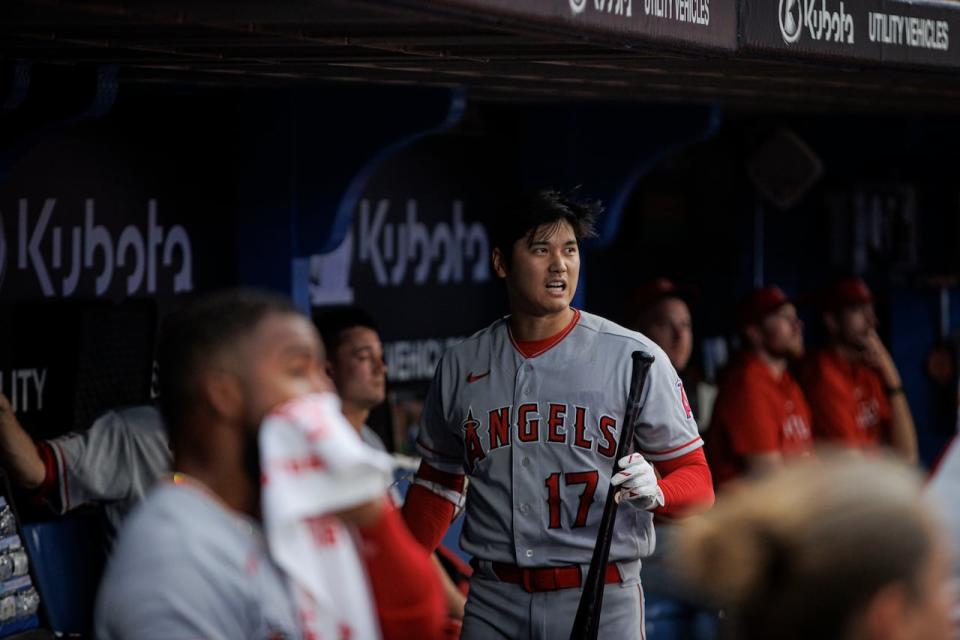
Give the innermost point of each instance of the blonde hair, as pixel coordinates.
(801, 553)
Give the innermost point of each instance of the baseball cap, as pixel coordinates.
(846, 293)
(760, 303)
(650, 292)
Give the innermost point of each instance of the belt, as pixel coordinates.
(536, 579)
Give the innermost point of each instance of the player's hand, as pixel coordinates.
(638, 482)
(877, 356)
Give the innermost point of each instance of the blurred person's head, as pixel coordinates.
(835, 549)
(227, 359)
(354, 356)
(848, 313)
(769, 324)
(657, 310)
(536, 250)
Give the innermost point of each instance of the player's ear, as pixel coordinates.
(222, 393)
(753, 336)
(499, 262)
(830, 322)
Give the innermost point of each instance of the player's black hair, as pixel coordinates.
(531, 211)
(332, 322)
(197, 333)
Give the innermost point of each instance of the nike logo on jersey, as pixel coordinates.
(472, 378)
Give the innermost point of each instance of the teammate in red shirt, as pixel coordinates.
(852, 384)
(760, 417)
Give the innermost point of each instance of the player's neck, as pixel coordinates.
(217, 462)
(530, 328)
(356, 416)
(847, 352)
(774, 364)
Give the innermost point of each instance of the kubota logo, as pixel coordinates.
(791, 20)
(821, 22)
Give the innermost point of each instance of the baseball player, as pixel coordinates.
(192, 560)
(356, 366)
(761, 416)
(530, 409)
(113, 462)
(853, 385)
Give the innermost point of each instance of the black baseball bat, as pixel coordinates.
(586, 625)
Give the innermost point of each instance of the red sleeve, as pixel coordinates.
(686, 484)
(406, 587)
(48, 488)
(427, 513)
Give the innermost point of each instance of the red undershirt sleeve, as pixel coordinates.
(428, 509)
(686, 484)
(405, 585)
(49, 485)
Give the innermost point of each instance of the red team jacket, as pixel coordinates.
(755, 413)
(849, 401)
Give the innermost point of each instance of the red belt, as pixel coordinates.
(546, 578)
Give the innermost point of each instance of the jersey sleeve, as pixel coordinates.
(93, 465)
(116, 460)
(438, 441)
(667, 427)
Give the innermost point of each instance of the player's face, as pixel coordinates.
(671, 328)
(544, 272)
(855, 324)
(782, 333)
(285, 362)
(358, 369)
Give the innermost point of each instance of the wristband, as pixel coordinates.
(892, 391)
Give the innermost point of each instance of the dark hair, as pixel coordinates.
(334, 321)
(547, 207)
(193, 336)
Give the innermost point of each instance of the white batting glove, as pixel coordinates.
(638, 482)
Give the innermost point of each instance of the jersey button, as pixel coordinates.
(528, 553)
(524, 509)
(525, 461)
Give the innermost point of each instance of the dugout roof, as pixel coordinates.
(877, 55)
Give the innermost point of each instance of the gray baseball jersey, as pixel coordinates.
(114, 462)
(187, 567)
(538, 437)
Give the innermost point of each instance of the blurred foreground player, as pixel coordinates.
(530, 408)
(192, 560)
(841, 549)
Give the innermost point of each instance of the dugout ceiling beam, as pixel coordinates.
(876, 55)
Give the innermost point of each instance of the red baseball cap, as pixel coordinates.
(759, 304)
(846, 293)
(653, 291)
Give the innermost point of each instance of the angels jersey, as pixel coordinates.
(538, 437)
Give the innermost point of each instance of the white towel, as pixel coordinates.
(314, 466)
